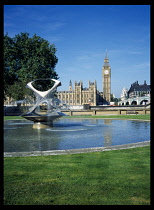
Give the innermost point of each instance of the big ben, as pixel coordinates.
(106, 73)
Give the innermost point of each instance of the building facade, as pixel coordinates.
(138, 90)
(124, 94)
(80, 95)
(136, 95)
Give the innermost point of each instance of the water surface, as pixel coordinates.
(73, 134)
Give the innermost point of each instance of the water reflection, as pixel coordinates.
(107, 133)
(73, 134)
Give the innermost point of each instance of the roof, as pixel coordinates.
(136, 87)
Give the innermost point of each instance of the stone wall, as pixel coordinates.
(105, 112)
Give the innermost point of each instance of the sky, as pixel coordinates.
(83, 33)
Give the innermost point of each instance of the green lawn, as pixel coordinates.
(139, 117)
(13, 118)
(142, 117)
(119, 177)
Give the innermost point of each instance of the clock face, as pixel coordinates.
(106, 71)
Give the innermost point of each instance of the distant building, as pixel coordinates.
(124, 94)
(90, 95)
(137, 90)
(80, 95)
(136, 95)
(106, 75)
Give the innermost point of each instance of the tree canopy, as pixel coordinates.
(27, 59)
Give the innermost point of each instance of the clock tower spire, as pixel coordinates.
(106, 74)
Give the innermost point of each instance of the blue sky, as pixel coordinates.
(82, 33)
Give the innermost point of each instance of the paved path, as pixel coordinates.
(76, 151)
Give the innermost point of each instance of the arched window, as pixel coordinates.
(134, 103)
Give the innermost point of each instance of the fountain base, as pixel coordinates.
(41, 125)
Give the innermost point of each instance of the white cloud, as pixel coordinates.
(89, 56)
(135, 52)
(142, 65)
(51, 26)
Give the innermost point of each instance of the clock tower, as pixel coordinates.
(106, 73)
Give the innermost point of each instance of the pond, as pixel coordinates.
(19, 136)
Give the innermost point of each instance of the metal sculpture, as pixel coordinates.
(51, 113)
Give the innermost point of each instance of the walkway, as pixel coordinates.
(76, 151)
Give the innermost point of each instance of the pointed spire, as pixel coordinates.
(106, 60)
(106, 57)
(70, 84)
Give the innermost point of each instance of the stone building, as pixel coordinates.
(80, 95)
(138, 90)
(106, 75)
(136, 95)
(124, 94)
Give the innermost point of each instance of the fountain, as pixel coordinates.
(45, 110)
(67, 135)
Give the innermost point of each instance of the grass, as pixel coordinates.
(120, 177)
(13, 118)
(140, 117)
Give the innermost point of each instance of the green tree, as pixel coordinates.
(27, 59)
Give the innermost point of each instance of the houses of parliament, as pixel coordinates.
(80, 96)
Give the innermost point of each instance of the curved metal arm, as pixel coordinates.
(44, 93)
